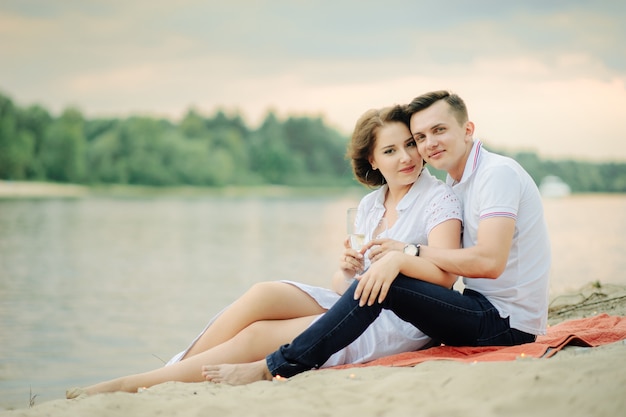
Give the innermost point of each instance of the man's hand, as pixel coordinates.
(379, 247)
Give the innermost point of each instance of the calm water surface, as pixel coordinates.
(95, 288)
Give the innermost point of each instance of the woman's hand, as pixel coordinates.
(379, 247)
(352, 261)
(375, 282)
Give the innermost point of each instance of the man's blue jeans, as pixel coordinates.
(446, 315)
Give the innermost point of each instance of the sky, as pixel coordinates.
(538, 75)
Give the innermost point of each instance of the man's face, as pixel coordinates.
(441, 140)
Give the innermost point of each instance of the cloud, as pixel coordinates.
(534, 74)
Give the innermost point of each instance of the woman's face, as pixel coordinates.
(395, 155)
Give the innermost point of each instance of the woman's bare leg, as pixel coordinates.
(251, 344)
(263, 301)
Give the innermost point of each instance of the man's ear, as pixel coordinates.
(469, 131)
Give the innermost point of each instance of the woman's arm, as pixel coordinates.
(350, 263)
(374, 284)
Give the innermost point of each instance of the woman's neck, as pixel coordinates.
(395, 194)
(392, 198)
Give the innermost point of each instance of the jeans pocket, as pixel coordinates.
(495, 331)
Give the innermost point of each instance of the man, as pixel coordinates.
(504, 262)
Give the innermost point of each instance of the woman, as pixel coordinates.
(417, 207)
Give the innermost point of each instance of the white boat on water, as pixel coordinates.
(553, 186)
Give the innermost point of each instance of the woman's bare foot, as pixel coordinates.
(237, 374)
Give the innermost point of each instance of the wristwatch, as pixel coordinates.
(412, 249)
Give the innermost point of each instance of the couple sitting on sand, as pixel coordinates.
(404, 300)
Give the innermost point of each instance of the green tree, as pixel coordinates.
(212, 151)
(193, 125)
(146, 151)
(105, 161)
(223, 167)
(97, 127)
(63, 150)
(193, 164)
(16, 147)
(222, 120)
(34, 121)
(271, 157)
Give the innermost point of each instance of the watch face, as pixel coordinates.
(410, 249)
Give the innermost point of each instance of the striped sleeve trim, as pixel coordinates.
(499, 214)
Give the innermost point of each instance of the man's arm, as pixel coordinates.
(486, 259)
(374, 284)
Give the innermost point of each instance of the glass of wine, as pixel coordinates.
(356, 239)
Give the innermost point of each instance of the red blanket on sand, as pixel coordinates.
(589, 332)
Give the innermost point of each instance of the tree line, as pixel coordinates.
(215, 151)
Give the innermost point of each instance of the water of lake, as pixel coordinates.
(95, 288)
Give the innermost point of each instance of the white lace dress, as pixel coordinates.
(428, 203)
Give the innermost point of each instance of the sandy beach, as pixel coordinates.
(33, 189)
(577, 381)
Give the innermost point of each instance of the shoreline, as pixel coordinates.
(32, 189)
(577, 381)
(16, 190)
